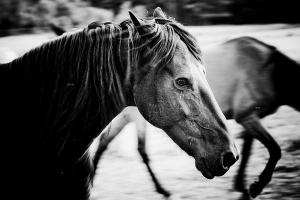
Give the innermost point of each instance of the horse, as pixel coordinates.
(236, 80)
(57, 29)
(56, 99)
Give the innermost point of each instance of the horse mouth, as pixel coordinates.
(203, 168)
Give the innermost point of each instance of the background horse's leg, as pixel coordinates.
(239, 182)
(254, 127)
(141, 126)
(130, 114)
(108, 134)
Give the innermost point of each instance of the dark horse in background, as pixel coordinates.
(58, 97)
(258, 79)
(250, 80)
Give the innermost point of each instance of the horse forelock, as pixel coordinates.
(167, 34)
(157, 47)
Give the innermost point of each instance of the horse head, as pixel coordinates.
(172, 93)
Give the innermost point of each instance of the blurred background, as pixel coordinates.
(25, 24)
(29, 15)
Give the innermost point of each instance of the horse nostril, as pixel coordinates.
(229, 159)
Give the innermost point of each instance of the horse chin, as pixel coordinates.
(203, 168)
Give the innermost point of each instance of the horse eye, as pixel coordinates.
(182, 82)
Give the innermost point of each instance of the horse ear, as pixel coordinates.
(159, 13)
(139, 24)
(57, 29)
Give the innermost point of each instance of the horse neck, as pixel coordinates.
(287, 81)
(4, 70)
(66, 109)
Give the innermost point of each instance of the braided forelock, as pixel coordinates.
(190, 41)
(165, 44)
(161, 41)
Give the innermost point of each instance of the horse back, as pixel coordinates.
(236, 72)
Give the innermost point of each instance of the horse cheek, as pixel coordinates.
(169, 104)
(144, 97)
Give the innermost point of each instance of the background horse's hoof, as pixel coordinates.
(255, 189)
(174, 197)
(245, 197)
(165, 193)
(239, 186)
(241, 189)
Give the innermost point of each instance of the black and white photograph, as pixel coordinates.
(150, 100)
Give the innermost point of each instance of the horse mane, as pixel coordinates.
(81, 76)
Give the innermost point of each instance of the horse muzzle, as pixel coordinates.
(215, 167)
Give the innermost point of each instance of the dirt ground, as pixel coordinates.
(122, 175)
